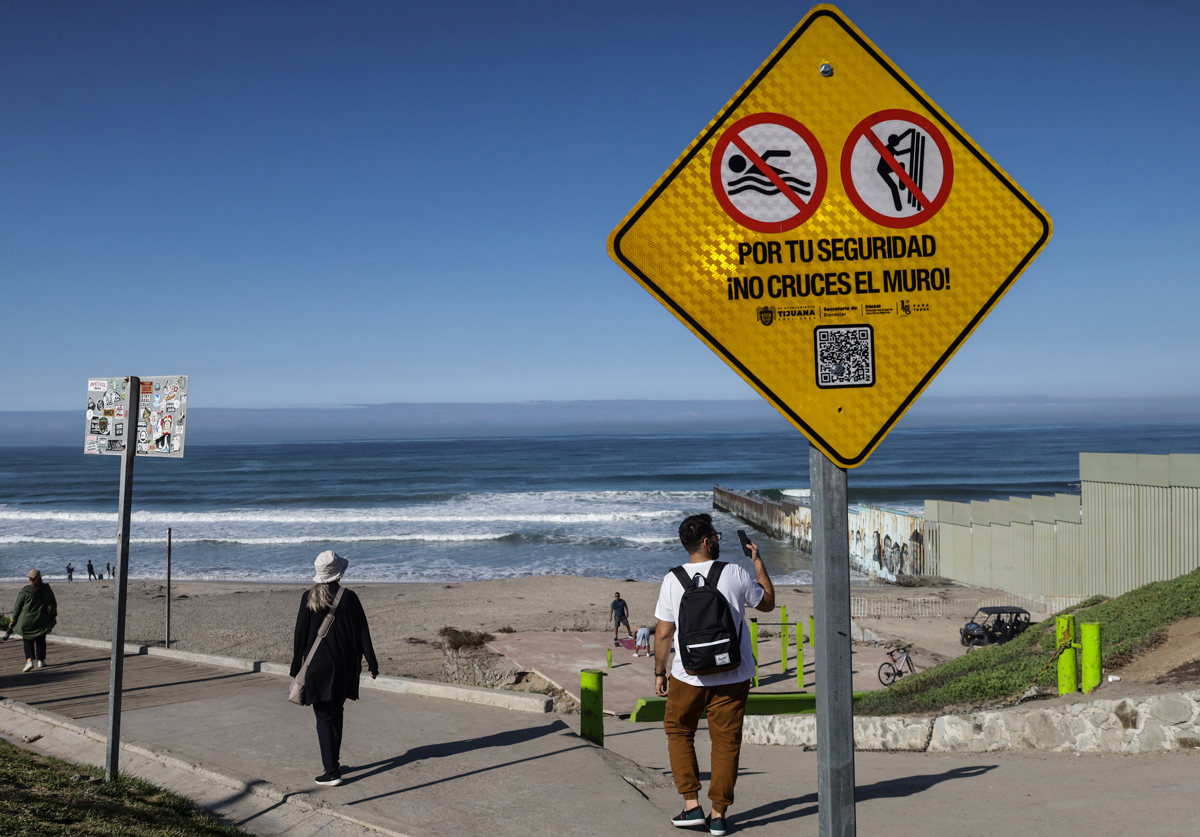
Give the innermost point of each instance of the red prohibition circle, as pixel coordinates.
(806, 208)
(932, 206)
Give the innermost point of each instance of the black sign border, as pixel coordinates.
(848, 462)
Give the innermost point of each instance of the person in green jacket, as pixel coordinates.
(34, 615)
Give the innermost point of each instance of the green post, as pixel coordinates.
(1089, 636)
(754, 646)
(1064, 640)
(812, 632)
(609, 650)
(800, 656)
(783, 630)
(591, 693)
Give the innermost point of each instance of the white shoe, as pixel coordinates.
(28, 666)
(41, 663)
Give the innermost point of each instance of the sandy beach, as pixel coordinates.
(254, 620)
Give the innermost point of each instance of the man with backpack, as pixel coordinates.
(701, 612)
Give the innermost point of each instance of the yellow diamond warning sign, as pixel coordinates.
(833, 236)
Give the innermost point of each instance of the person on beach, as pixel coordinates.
(618, 614)
(333, 674)
(34, 615)
(642, 641)
(91, 571)
(723, 695)
(70, 572)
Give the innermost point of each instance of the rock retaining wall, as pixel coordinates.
(478, 667)
(1163, 722)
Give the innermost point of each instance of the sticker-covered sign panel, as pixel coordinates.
(833, 236)
(159, 427)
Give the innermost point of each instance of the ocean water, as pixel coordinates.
(462, 509)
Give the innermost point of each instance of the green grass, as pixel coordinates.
(40, 797)
(1129, 624)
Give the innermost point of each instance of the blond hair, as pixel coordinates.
(320, 598)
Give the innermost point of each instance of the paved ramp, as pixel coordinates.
(75, 681)
(414, 765)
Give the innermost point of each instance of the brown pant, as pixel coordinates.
(726, 706)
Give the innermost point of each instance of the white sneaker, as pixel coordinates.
(41, 663)
(28, 666)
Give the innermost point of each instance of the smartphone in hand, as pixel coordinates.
(745, 542)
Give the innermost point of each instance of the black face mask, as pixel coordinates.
(716, 550)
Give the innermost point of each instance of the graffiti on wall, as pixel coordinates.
(884, 543)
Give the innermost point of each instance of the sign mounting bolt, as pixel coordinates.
(826, 70)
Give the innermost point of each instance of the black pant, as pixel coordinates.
(329, 731)
(35, 649)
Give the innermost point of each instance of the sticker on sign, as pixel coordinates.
(768, 172)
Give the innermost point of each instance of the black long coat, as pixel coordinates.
(334, 672)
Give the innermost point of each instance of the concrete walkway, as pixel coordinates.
(414, 765)
(427, 766)
(1025, 793)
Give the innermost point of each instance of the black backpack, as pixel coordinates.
(709, 639)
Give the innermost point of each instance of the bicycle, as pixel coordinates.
(892, 670)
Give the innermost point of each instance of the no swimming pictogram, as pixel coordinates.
(768, 172)
(893, 173)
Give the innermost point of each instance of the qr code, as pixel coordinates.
(845, 356)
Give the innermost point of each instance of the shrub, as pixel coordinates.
(455, 639)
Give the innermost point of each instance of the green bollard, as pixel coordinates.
(1064, 640)
(1089, 637)
(812, 632)
(1064, 630)
(754, 646)
(609, 650)
(783, 630)
(591, 713)
(799, 656)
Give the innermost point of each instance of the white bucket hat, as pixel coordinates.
(330, 567)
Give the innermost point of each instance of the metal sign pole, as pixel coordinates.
(168, 639)
(831, 602)
(133, 388)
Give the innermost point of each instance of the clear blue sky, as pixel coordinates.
(303, 203)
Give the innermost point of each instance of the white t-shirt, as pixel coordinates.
(739, 589)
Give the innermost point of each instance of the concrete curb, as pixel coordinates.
(516, 701)
(1155, 724)
(255, 787)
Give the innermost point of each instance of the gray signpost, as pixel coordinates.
(127, 417)
(831, 606)
(167, 640)
(124, 512)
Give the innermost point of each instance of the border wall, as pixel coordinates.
(1136, 520)
(884, 543)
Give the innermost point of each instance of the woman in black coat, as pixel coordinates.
(333, 674)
